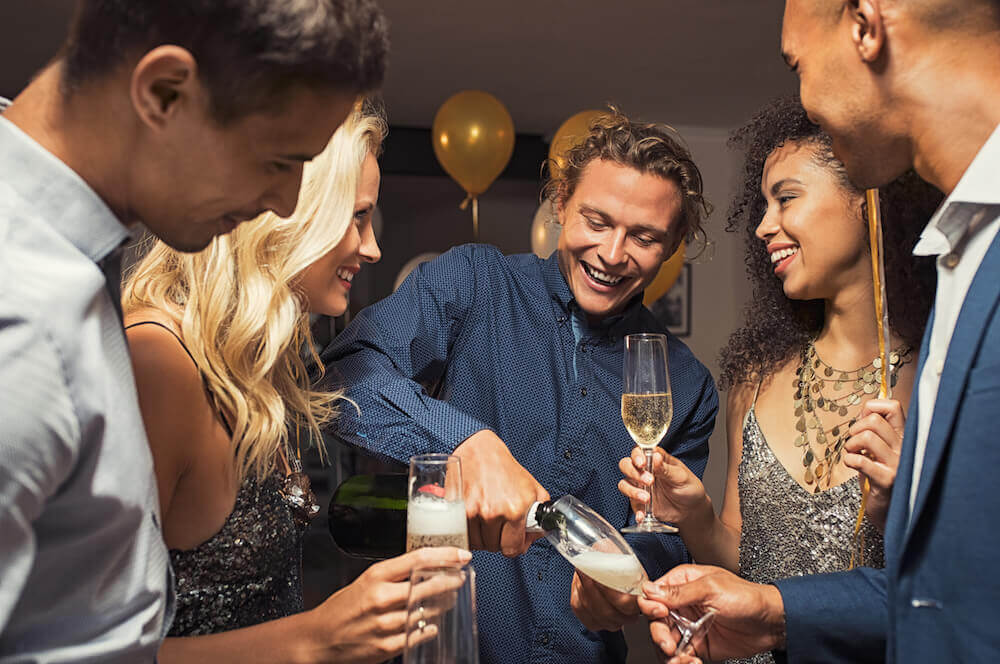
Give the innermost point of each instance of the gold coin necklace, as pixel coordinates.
(822, 448)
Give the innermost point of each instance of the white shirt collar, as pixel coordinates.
(980, 184)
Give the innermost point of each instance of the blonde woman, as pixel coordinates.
(216, 341)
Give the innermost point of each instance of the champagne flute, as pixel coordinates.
(647, 408)
(441, 616)
(435, 510)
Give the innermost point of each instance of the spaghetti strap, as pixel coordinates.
(204, 381)
(753, 404)
(756, 392)
(176, 336)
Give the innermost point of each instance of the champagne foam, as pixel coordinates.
(620, 571)
(429, 515)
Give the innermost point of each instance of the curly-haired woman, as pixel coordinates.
(216, 340)
(802, 370)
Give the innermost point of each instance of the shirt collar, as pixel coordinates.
(956, 219)
(556, 284)
(58, 194)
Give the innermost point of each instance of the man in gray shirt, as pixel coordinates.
(190, 117)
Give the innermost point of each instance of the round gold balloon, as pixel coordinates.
(473, 138)
(665, 278)
(569, 134)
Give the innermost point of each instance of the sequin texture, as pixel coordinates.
(247, 573)
(789, 531)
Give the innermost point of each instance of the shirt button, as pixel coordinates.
(568, 454)
(544, 639)
(583, 391)
(539, 576)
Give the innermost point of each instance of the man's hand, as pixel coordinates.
(750, 618)
(599, 607)
(498, 494)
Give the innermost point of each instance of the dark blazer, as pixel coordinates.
(938, 600)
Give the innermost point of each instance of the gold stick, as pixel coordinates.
(882, 324)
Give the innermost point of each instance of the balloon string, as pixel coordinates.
(475, 219)
(475, 214)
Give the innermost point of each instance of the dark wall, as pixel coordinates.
(420, 211)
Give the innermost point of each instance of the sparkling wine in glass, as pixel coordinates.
(647, 408)
(435, 510)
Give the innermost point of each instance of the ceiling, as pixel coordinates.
(707, 63)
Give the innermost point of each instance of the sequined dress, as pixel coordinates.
(788, 531)
(247, 573)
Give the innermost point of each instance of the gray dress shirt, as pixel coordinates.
(84, 574)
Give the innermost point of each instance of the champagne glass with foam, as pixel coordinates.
(647, 408)
(435, 511)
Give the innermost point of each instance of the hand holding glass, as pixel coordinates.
(441, 617)
(647, 408)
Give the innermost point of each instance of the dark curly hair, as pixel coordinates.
(647, 147)
(775, 326)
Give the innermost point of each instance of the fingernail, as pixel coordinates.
(464, 556)
(647, 478)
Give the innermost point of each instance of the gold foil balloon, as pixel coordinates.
(473, 138)
(545, 230)
(569, 134)
(665, 278)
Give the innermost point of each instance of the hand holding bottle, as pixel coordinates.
(498, 494)
(678, 493)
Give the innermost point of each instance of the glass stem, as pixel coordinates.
(648, 512)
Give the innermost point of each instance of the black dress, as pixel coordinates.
(251, 570)
(248, 573)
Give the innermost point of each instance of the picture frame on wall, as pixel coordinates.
(673, 309)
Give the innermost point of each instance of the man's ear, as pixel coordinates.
(559, 206)
(867, 28)
(163, 81)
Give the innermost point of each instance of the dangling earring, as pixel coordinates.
(297, 489)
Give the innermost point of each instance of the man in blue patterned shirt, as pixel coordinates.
(526, 358)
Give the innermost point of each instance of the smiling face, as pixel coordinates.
(199, 179)
(843, 92)
(326, 284)
(812, 227)
(617, 229)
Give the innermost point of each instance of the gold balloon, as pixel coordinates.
(545, 230)
(473, 138)
(665, 278)
(569, 134)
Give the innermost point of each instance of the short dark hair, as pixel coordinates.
(776, 327)
(647, 147)
(248, 51)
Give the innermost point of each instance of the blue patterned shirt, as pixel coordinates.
(477, 340)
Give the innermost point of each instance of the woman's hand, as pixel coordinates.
(678, 493)
(366, 621)
(873, 451)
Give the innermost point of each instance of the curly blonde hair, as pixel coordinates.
(238, 311)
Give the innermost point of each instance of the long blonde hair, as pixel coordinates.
(237, 310)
